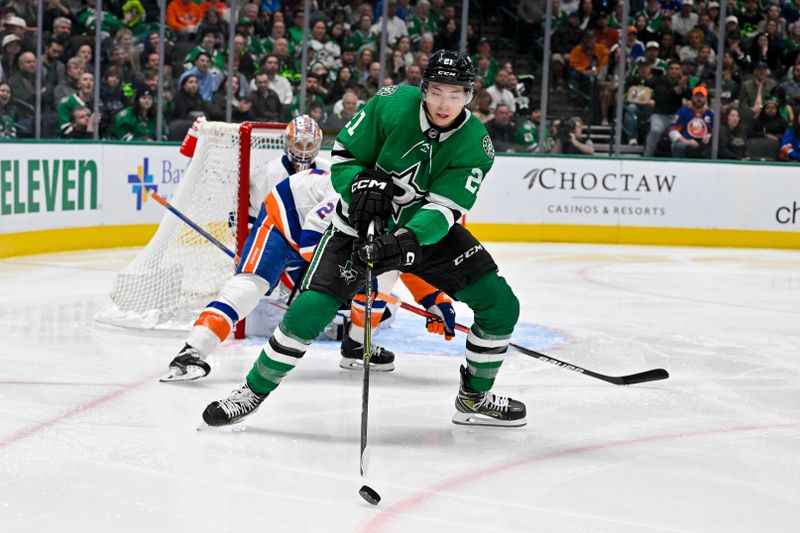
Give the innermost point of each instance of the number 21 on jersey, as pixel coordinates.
(354, 122)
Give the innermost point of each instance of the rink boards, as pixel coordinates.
(57, 196)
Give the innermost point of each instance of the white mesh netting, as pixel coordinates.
(180, 271)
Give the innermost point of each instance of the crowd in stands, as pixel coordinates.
(669, 75)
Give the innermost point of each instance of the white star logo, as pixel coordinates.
(406, 191)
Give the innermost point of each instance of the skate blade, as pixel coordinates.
(192, 373)
(471, 419)
(357, 364)
(233, 428)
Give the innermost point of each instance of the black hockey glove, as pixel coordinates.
(390, 251)
(372, 192)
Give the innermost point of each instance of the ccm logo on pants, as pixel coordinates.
(466, 255)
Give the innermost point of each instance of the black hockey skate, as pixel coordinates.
(239, 404)
(187, 366)
(486, 409)
(380, 360)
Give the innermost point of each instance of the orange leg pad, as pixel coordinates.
(216, 323)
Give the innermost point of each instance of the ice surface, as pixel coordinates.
(91, 442)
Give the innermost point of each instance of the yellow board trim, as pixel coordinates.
(634, 235)
(62, 240)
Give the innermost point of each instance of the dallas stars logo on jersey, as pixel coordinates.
(347, 272)
(488, 147)
(388, 90)
(406, 192)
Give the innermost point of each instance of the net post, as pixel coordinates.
(245, 137)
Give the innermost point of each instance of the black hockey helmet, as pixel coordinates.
(448, 66)
(452, 68)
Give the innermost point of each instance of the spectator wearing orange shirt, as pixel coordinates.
(585, 61)
(606, 35)
(184, 17)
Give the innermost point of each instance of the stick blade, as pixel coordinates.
(366, 456)
(656, 374)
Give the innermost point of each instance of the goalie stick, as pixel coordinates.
(172, 209)
(655, 374)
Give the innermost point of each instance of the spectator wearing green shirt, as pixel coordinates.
(8, 127)
(485, 50)
(527, 134)
(83, 98)
(208, 44)
(363, 36)
(87, 16)
(138, 122)
(296, 29)
(421, 22)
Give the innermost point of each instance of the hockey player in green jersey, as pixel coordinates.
(412, 160)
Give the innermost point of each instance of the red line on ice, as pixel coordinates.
(424, 496)
(116, 393)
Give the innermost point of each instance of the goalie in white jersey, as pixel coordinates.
(301, 140)
(290, 223)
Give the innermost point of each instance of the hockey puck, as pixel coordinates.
(370, 495)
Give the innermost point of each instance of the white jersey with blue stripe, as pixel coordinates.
(301, 207)
(276, 171)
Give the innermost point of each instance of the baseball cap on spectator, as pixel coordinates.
(688, 61)
(770, 101)
(700, 89)
(731, 18)
(485, 40)
(15, 21)
(712, 5)
(652, 44)
(574, 14)
(632, 29)
(10, 38)
(761, 64)
(687, 2)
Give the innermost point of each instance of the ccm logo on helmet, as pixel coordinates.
(466, 255)
(369, 184)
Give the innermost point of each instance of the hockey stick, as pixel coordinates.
(655, 374)
(364, 462)
(172, 209)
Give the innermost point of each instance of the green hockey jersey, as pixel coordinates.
(437, 174)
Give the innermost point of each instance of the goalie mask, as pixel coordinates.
(451, 68)
(302, 140)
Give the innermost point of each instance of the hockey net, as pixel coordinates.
(180, 271)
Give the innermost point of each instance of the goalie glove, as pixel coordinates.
(371, 195)
(439, 304)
